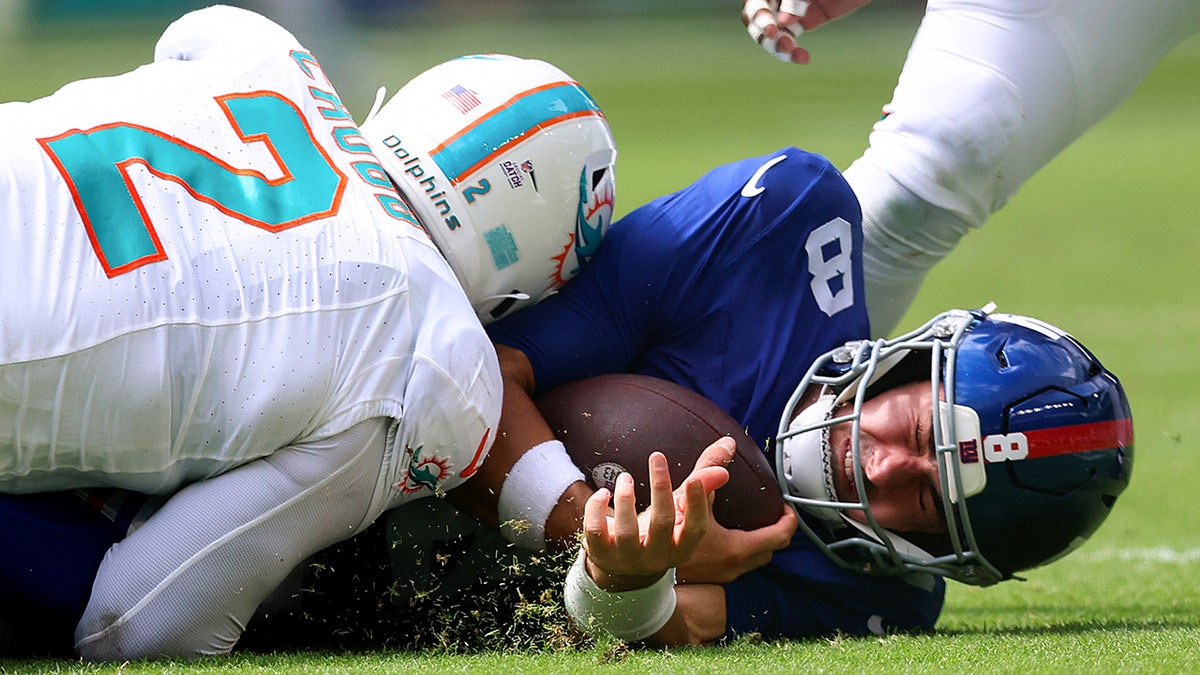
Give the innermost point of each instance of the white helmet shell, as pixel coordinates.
(508, 164)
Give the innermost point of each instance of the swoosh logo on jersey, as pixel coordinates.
(752, 188)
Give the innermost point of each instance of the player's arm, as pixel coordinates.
(776, 25)
(583, 330)
(186, 582)
(722, 555)
(541, 494)
(623, 582)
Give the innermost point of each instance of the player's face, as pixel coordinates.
(899, 464)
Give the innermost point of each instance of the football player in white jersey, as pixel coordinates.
(990, 92)
(214, 290)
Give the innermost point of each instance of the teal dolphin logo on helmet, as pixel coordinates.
(596, 193)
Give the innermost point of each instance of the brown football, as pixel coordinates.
(611, 423)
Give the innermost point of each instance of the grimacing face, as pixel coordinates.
(899, 463)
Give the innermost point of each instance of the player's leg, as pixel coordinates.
(187, 582)
(988, 95)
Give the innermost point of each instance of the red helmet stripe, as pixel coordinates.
(1080, 438)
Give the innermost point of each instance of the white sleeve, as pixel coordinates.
(221, 30)
(990, 92)
(186, 582)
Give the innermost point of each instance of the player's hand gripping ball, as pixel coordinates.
(611, 423)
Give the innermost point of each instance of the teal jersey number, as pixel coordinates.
(95, 164)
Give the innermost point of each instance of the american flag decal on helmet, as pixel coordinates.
(462, 98)
(509, 124)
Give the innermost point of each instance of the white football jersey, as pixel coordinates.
(204, 262)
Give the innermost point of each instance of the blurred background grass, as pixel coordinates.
(1102, 242)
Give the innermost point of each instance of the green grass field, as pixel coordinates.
(1102, 242)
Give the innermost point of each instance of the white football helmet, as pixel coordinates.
(508, 164)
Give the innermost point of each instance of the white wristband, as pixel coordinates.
(531, 491)
(627, 615)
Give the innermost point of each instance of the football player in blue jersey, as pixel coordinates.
(680, 289)
(973, 448)
(989, 94)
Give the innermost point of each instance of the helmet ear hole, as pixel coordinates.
(598, 177)
(1001, 357)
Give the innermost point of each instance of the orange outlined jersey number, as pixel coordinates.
(96, 162)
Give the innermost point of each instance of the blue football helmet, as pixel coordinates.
(1033, 439)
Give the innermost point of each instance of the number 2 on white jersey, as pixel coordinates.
(95, 163)
(829, 248)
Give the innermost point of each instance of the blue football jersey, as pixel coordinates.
(732, 287)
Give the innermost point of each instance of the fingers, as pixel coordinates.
(710, 466)
(786, 47)
(764, 541)
(660, 486)
(668, 531)
(790, 11)
(726, 554)
(696, 509)
(624, 509)
(758, 16)
(624, 534)
(790, 14)
(775, 25)
(661, 514)
(785, 528)
(718, 453)
(595, 521)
